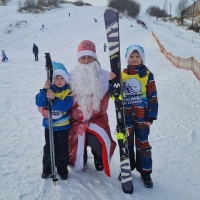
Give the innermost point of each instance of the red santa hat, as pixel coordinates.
(86, 48)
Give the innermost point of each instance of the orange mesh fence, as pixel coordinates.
(196, 68)
(174, 60)
(181, 63)
(185, 63)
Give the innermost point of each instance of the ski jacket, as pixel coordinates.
(139, 89)
(60, 107)
(35, 49)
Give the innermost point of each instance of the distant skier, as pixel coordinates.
(42, 27)
(35, 52)
(104, 46)
(69, 14)
(4, 57)
(143, 24)
(95, 20)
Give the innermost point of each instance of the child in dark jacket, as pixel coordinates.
(59, 93)
(140, 108)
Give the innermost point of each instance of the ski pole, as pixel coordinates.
(49, 69)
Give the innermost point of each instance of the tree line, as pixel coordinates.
(130, 8)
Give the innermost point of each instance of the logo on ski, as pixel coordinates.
(116, 85)
(114, 56)
(113, 36)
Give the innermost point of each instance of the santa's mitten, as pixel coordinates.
(77, 114)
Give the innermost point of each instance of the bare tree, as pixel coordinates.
(133, 8)
(42, 2)
(79, 3)
(30, 3)
(155, 11)
(53, 3)
(19, 5)
(130, 7)
(165, 6)
(182, 5)
(3, 2)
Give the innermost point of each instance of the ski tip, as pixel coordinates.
(110, 9)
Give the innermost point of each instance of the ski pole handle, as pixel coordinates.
(49, 67)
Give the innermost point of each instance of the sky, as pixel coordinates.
(174, 136)
(144, 4)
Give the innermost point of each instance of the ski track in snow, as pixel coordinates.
(174, 136)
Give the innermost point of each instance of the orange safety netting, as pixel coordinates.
(182, 63)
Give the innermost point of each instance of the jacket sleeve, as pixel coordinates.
(62, 105)
(41, 99)
(152, 110)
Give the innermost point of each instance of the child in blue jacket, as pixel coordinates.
(59, 93)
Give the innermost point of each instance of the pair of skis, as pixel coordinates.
(112, 31)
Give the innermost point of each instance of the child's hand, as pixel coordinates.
(147, 123)
(47, 84)
(72, 95)
(112, 75)
(50, 94)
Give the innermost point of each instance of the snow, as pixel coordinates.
(174, 136)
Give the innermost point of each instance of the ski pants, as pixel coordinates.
(36, 56)
(138, 134)
(61, 151)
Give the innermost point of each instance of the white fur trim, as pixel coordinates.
(81, 142)
(86, 53)
(133, 49)
(101, 132)
(105, 75)
(62, 73)
(79, 154)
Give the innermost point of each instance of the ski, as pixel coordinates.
(111, 19)
(49, 69)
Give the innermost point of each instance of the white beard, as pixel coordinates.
(88, 85)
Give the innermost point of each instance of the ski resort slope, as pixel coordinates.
(174, 136)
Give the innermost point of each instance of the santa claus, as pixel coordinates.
(90, 84)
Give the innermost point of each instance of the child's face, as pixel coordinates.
(59, 81)
(135, 58)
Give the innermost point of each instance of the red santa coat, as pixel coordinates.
(97, 125)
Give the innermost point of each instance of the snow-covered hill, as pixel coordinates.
(174, 136)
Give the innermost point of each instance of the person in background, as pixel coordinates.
(42, 27)
(104, 47)
(35, 52)
(4, 57)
